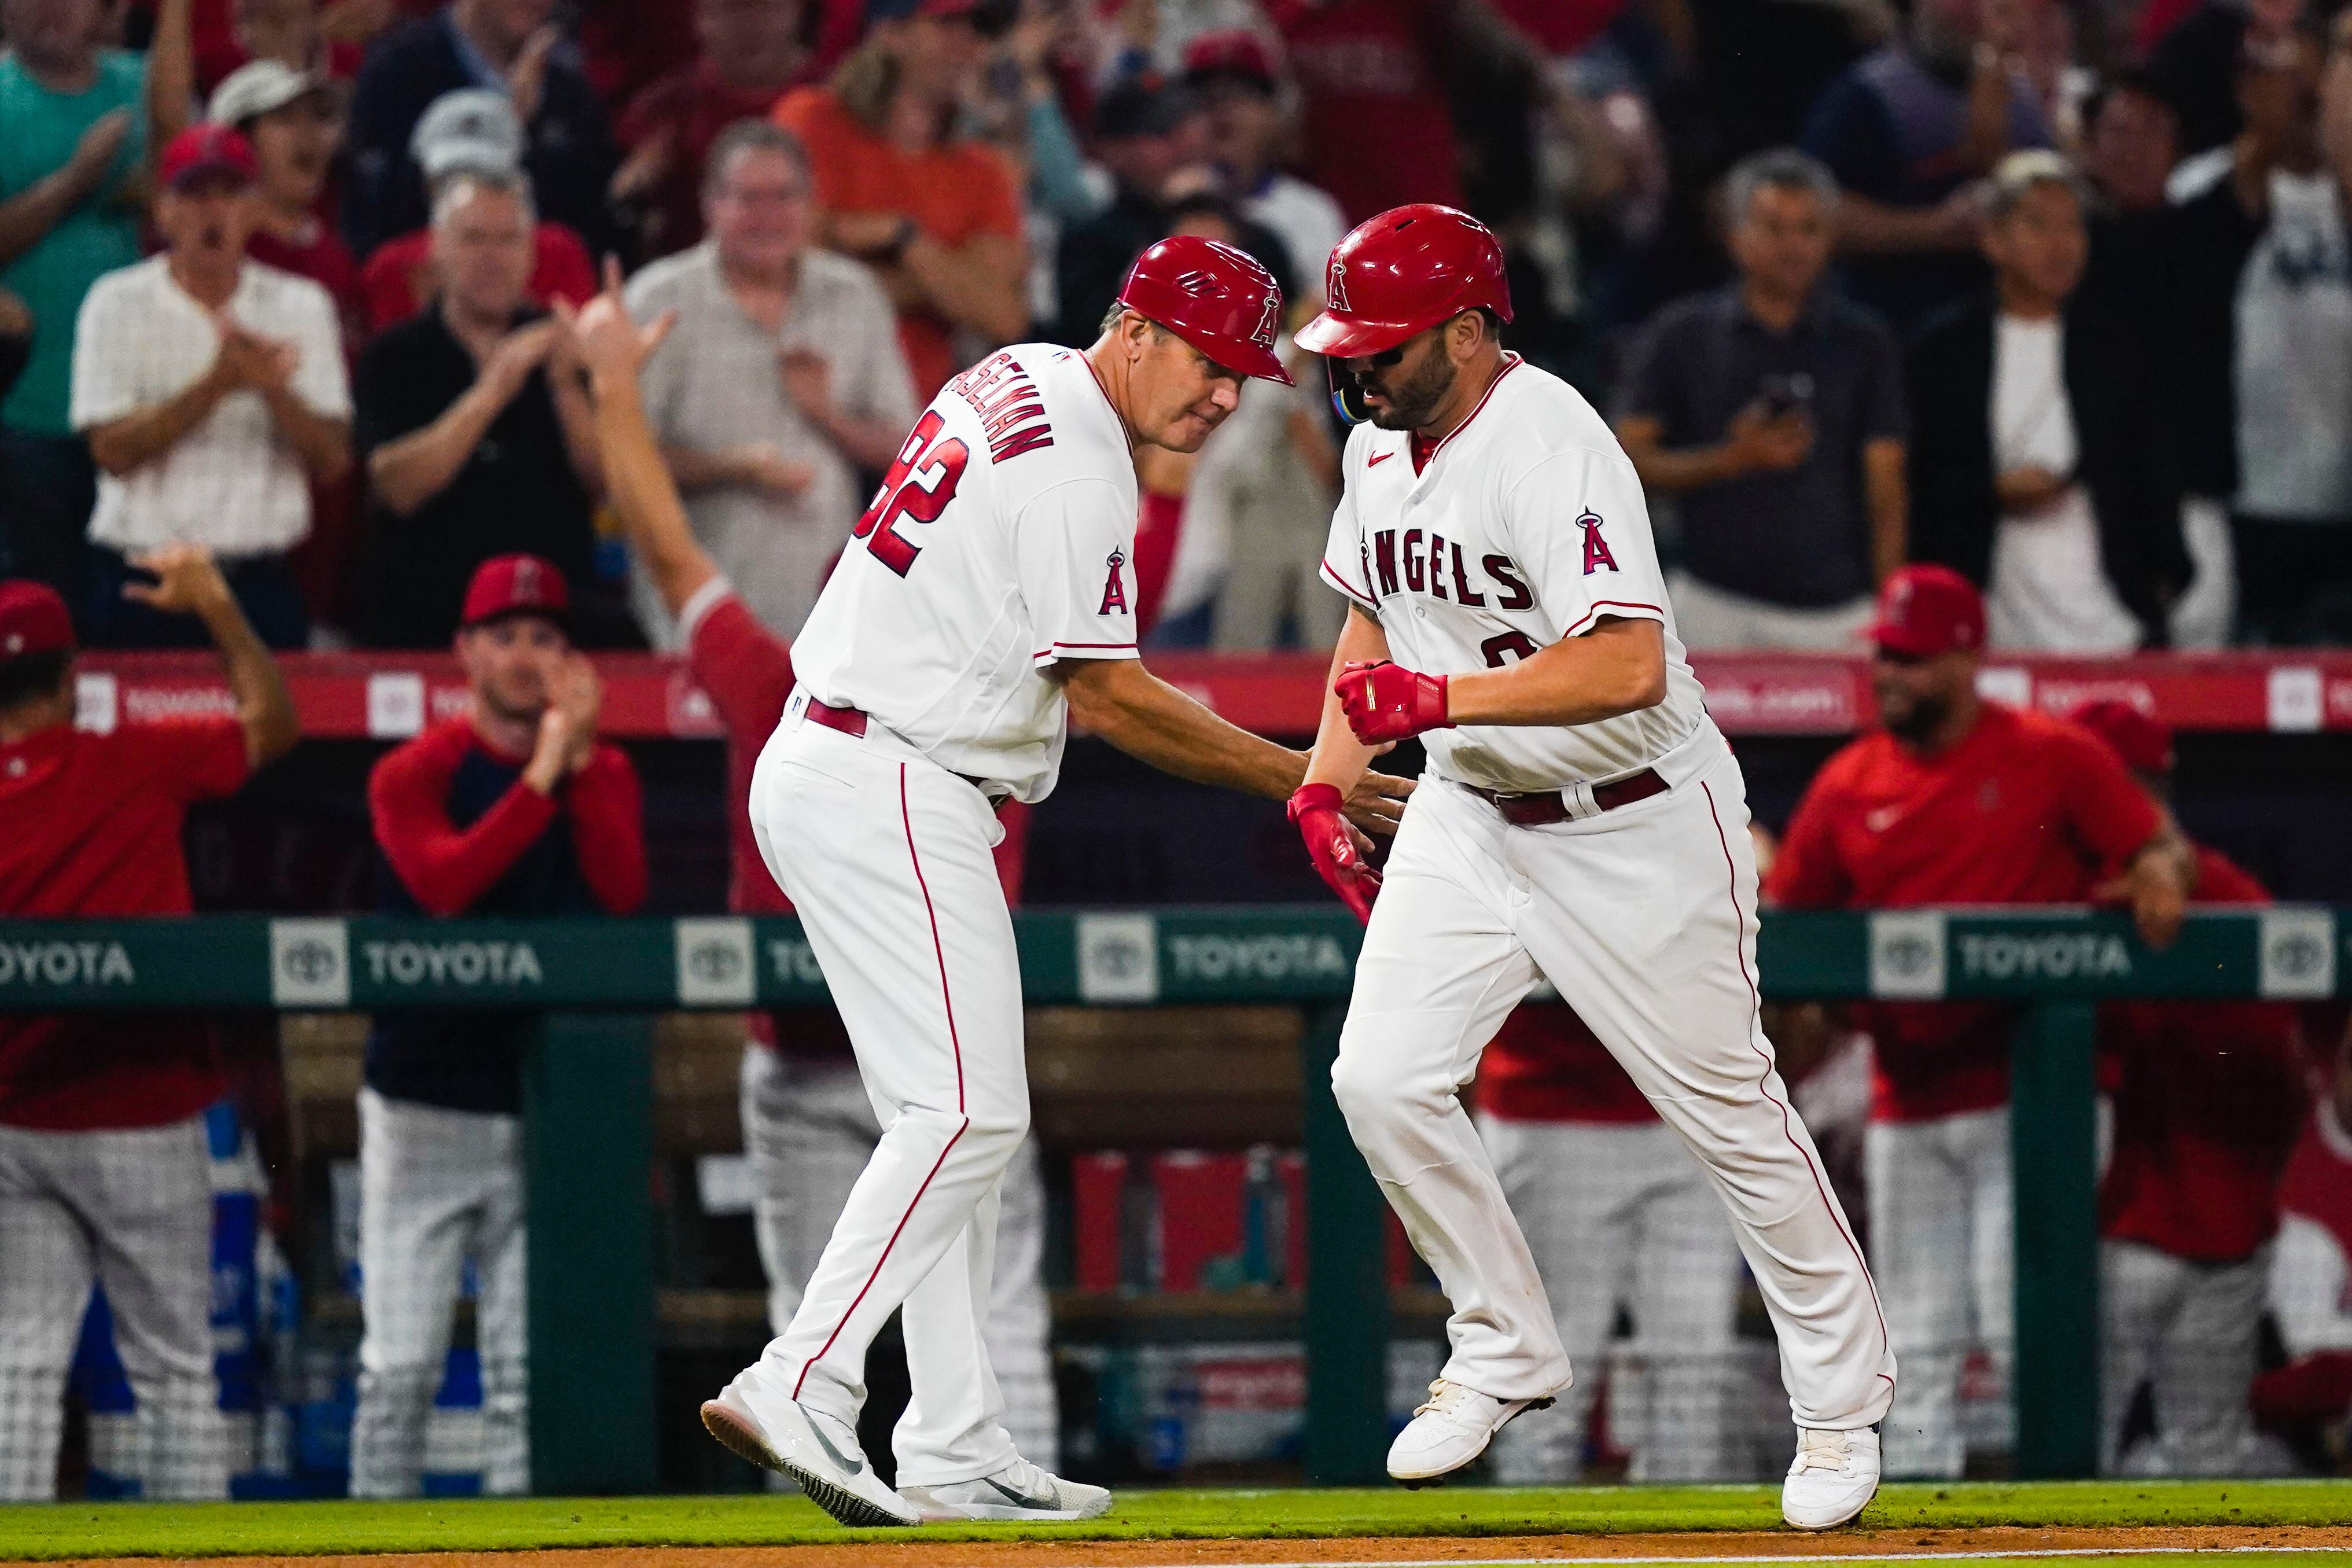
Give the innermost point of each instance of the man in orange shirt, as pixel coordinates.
(1959, 800)
(938, 216)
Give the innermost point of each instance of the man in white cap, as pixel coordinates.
(294, 120)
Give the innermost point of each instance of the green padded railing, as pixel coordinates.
(588, 1093)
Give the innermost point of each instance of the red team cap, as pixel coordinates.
(207, 149)
(1215, 298)
(33, 620)
(1401, 273)
(1927, 610)
(516, 584)
(2144, 743)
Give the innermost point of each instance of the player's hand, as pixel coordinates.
(188, 581)
(1377, 803)
(1386, 702)
(1342, 856)
(2159, 901)
(606, 337)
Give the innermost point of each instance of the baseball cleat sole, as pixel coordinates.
(740, 1436)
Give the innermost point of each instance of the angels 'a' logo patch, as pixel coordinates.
(1596, 549)
(1114, 597)
(1263, 333)
(1335, 287)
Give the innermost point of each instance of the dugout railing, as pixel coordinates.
(589, 1094)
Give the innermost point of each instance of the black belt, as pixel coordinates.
(1551, 805)
(853, 721)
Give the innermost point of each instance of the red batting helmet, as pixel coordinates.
(1215, 298)
(1401, 273)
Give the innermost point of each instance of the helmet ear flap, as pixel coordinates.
(1347, 394)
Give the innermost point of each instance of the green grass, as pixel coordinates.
(51, 1530)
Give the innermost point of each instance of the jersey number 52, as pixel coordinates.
(920, 483)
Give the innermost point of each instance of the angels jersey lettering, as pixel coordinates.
(997, 543)
(1525, 526)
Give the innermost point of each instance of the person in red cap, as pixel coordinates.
(213, 390)
(515, 808)
(986, 602)
(1586, 824)
(2208, 1099)
(1958, 800)
(104, 1165)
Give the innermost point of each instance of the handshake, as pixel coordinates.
(1384, 703)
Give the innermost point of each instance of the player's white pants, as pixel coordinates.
(1622, 1216)
(1941, 1217)
(438, 1186)
(1644, 920)
(886, 857)
(131, 1210)
(810, 1130)
(2190, 1330)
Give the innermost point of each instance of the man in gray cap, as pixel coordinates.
(294, 120)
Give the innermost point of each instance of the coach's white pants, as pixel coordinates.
(810, 1130)
(886, 857)
(1621, 1216)
(131, 1210)
(1644, 920)
(438, 1186)
(2190, 1331)
(1940, 1218)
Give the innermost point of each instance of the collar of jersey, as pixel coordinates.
(1511, 361)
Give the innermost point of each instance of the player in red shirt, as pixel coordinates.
(515, 808)
(1618, 1215)
(2208, 1097)
(105, 1175)
(808, 1124)
(1956, 800)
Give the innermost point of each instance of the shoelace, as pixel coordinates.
(1820, 1451)
(1444, 1397)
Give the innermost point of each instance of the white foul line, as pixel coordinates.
(1852, 1557)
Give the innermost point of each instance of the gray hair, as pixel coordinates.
(751, 136)
(2020, 174)
(454, 191)
(1779, 169)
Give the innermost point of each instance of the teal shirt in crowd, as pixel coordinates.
(39, 132)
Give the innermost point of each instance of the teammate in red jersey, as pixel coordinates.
(2208, 1099)
(105, 1174)
(1959, 800)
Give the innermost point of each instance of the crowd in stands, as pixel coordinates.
(2055, 292)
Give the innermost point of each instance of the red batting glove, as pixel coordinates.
(1316, 809)
(1386, 702)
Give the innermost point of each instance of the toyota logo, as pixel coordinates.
(715, 961)
(309, 963)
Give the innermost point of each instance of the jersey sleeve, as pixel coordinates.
(2111, 816)
(200, 760)
(1576, 521)
(1074, 543)
(744, 667)
(1343, 557)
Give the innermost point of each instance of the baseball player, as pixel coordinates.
(514, 808)
(105, 1172)
(808, 1126)
(1956, 800)
(987, 597)
(2208, 1097)
(1617, 1215)
(1584, 820)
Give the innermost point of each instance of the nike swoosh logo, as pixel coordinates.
(1377, 458)
(1047, 1504)
(851, 1467)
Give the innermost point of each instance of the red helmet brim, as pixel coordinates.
(1335, 336)
(1251, 359)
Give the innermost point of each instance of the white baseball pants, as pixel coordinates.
(1644, 920)
(2191, 1332)
(1621, 1216)
(131, 1210)
(810, 1130)
(1940, 1219)
(438, 1186)
(886, 857)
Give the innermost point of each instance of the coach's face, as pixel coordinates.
(1916, 694)
(510, 663)
(1176, 395)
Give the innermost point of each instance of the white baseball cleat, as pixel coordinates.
(814, 1449)
(1833, 1478)
(1020, 1491)
(1451, 1430)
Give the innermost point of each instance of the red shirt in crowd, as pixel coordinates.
(93, 827)
(398, 277)
(1547, 1064)
(2026, 809)
(1377, 130)
(2209, 1099)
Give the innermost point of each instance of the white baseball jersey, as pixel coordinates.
(1524, 526)
(1000, 540)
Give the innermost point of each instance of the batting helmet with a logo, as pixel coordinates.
(1215, 298)
(1405, 272)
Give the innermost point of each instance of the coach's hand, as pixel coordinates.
(1386, 702)
(1341, 855)
(1377, 803)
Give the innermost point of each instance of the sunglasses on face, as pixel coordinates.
(1897, 657)
(1385, 358)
